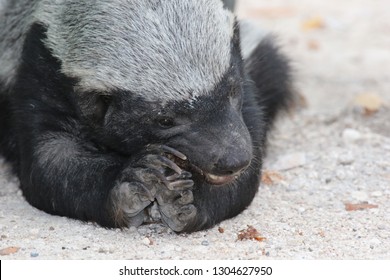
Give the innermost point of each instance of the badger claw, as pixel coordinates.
(166, 149)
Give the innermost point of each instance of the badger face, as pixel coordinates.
(212, 135)
(158, 72)
(210, 130)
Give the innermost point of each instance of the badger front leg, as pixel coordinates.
(69, 176)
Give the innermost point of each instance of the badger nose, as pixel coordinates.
(231, 165)
(227, 168)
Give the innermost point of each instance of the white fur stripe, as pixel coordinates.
(159, 49)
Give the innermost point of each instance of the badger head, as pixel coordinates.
(163, 72)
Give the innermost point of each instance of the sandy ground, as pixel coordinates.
(332, 154)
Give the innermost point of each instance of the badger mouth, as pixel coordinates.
(219, 180)
(210, 178)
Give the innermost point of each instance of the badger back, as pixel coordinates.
(160, 50)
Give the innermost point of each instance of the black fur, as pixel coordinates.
(229, 4)
(271, 74)
(7, 142)
(109, 157)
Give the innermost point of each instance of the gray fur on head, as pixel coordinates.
(161, 50)
(15, 18)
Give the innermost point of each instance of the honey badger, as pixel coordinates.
(124, 112)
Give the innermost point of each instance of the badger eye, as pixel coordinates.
(166, 122)
(106, 99)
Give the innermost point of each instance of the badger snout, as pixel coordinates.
(218, 148)
(226, 153)
(219, 162)
(228, 165)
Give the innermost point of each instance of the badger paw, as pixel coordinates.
(150, 173)
(175, 208)
(128, 201)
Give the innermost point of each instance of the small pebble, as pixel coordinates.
(34, 254)
(146, 241)
(360, 196)
(375, 241)
(351, 135)
(340, 175)
(205, 243)
(290, 161)
(346, 159)
(178, 249)
(131, 229)
(377, 194)
(34, 231)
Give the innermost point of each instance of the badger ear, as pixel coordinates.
(93, 106)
